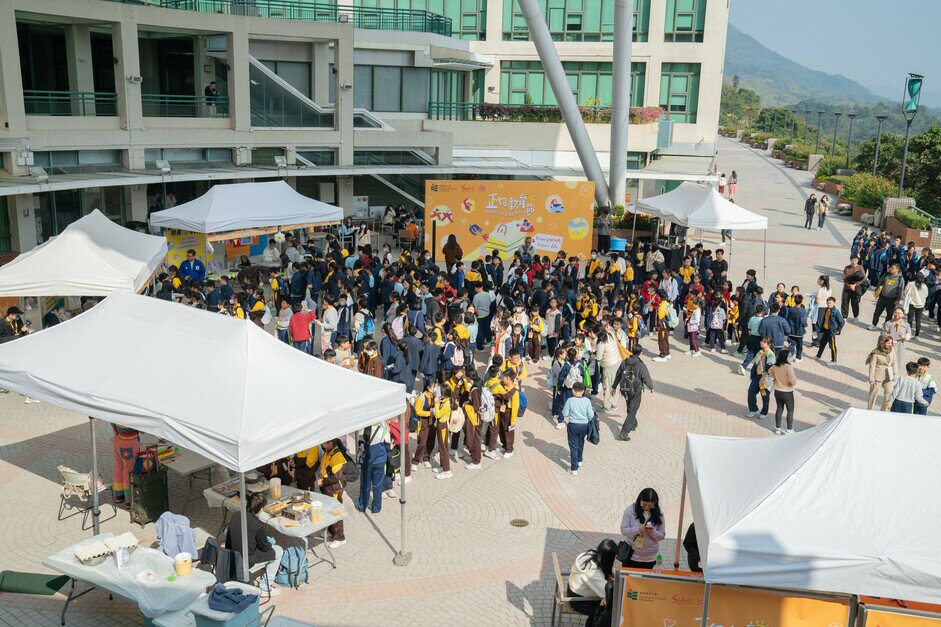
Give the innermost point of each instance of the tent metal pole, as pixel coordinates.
(402, 558)
(705, 604)
(764, 269)
(679, 527)
(244, 514)
(634, 226)
(95, 511)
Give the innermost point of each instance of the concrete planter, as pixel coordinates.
(921, 238)
(834, 189)
(626, 234)
(799, 165)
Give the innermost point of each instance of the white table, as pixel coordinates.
(154, 599)
(300, 531)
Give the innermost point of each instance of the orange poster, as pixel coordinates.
(487, 216)
(679, 604)
(878, 618)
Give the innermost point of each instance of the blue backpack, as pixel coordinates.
(293, 569)
(641, 328)
(524, 403)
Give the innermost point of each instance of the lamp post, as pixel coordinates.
(875, 161)
(836, 124)
(806, 122)
(909, 108)
(819, 122)
(849, 139)
(794, 133)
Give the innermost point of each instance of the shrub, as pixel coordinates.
(626, 221)
(729, 130)
(828, 167)
(799, 152)
(868, 190)
(913, 220)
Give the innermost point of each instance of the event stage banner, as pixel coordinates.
(487, 216)
(672, 603)
(878, 618)
(178, 242)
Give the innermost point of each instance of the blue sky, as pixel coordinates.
(875, 43)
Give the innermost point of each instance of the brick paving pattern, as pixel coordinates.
(469, 565)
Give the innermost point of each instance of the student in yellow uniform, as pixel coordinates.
(534, 341)
(332, 481)
(514, 362)
(471, 406)
(424, 409)
(593, 264)
(306, 464)
(508, 408)
(442, 413)
(687, 271)
(732, 319)
(633, 326)
(473, 278)
(494, 384)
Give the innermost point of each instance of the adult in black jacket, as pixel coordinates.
(260, 549)
(810, 208)
(632, 377)
(746, 310)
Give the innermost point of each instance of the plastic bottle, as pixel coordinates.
(659, 566)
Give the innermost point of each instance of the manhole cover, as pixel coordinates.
(519, 522)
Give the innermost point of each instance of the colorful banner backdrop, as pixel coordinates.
(679, 604)
(877, 618)
(488, 216)
(178, 242)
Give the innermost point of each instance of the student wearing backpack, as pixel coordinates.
(631, 378)
(570, 374)
(471, 404)
(554, 381)
(490, 400)
(577, 414)
(429, 360)
(663, 330)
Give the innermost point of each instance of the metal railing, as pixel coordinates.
(368, 18)
(70, 103)
(175, 106)
(464, 111)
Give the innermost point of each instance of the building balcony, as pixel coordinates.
(492, 112)
(70, 103)
(174, 106)
(368, 18)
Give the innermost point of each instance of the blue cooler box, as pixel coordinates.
(618, 244)
(206, 617)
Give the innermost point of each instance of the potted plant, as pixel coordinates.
(866, 193)
(911, 226)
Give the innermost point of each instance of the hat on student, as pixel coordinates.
(14, 311)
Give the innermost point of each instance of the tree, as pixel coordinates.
(923, 173)
(739, 107)
(890, 155)
(735, 82)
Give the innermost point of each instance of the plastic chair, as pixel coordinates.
(76, 494)
(560, 602)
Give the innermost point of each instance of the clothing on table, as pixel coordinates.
(174, 534)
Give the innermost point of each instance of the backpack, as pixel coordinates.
(367, 328)
(456, 420)
(400, 326)
(574, 376)
(293, 569)
(524, 403)
(630, 382)
(642, 328)
(487, 405)
(284, 288)
(672, 319)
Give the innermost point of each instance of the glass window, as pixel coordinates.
(576, 20)
(295, 73)
(387, 88)
(6, 235)
(685, 20)
(588, 81)
(679, 90)
(362, 86)
(108, 200)
(415, 89)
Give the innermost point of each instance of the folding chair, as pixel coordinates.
(77, 494)
(560, 602)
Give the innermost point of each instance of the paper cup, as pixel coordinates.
(183, 564)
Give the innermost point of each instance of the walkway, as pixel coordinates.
(470, 566)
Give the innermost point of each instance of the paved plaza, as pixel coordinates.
(469, 565)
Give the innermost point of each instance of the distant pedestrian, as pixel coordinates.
(733, 185)
(631, 378)
(882, 369)
(831, 323)
(822, 208)
(785, 381)
(577, 413)
(900, 331)
(906, 393)
(810, 207)
(723, 181)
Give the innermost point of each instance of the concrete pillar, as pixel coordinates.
(12, 110)
(240, 106)
(22, 210)
(137, 196)
(344, 101)
(494, 21)
(620, 100)
(79, 62)
(134, 159)
(320, 76)
(345, 194)
(127, 74)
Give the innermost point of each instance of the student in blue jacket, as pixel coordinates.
(831, 323)
(429, 360)
(797, 319)
(775, 327)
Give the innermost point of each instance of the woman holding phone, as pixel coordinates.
(643, 526)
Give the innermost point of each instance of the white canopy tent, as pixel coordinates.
(93, 256)
(247, 206)
(119, 361)
(701, 206)
(849, 507)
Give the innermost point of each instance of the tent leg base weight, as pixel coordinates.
(402, 559)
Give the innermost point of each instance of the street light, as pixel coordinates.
(819, 121)
(909, 108)
(836, 124)
(795, 112)
(849, 139)
(875, 161)
(806, 122)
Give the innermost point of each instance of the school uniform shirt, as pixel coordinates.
(578, 410)
(906, 390)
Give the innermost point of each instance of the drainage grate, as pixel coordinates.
(519, 522)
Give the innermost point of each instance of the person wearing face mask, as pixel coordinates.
(369, 361)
